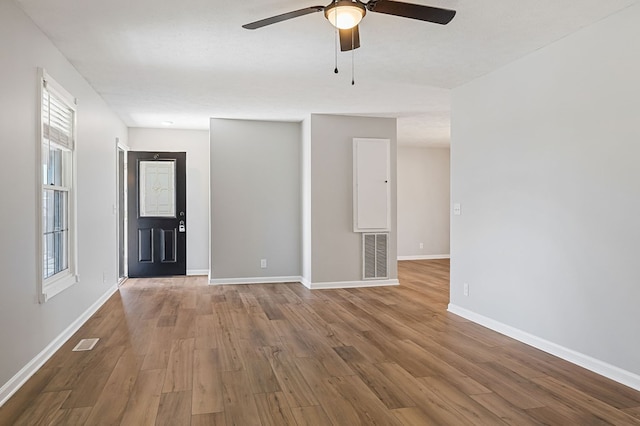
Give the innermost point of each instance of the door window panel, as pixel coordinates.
(157, 188)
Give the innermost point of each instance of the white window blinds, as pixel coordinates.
(57, 118)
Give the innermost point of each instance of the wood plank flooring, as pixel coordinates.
(176, 351)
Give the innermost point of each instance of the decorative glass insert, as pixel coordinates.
(157, 188)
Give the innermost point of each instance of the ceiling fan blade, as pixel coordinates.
(346, 40)
(279, 18)
(413, 11)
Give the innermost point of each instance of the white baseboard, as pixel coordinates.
(254, 280)
(197, 272)
(425, 257)
(352, 284)
(16, 382)
(304, 281)
(600, 367)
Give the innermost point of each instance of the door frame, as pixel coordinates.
(119, 146)
(181, 203)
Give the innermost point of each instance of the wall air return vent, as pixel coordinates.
(375, 256)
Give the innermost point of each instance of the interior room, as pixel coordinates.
(493, 281)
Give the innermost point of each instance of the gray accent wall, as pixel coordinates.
(255, 198)
(306, 199)
(336, 251)
(423, 201)
(27, 326)
(545, 164)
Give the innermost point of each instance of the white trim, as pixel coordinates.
(254, 280)
(51, 286)
(600, 367)
(19, 379)
(197, 272)
(57, 284)
(305, 282)
(59, 90)
(425, 257)
(353, 284)
(121, 147)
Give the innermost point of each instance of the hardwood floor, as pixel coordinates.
(176, 351)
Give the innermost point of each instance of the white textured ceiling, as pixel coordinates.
(188, 60)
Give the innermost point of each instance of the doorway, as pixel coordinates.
(157, 215)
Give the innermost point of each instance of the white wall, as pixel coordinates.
(255, 199)
(545, 165)
(196, 144)
(423, 202)
(28, 327)
(336, 250)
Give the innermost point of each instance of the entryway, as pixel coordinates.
(157, 214)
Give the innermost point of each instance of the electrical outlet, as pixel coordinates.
(466, 289)
(263, 263)
(421, 246)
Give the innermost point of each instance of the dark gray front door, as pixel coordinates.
(157, 214)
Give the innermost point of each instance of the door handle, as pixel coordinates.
(181, 227)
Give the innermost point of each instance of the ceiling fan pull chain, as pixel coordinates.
(335, 44)
(335, 48)
(353, 55)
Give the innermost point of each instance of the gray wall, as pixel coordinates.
(255, 198)
(28, 327)
(196, 144)
(336, 250)
(306, 199)
(545, 165)
(423, 202)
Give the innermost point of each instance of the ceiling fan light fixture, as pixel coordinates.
(344, 14)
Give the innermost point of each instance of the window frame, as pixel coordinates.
(55, 284)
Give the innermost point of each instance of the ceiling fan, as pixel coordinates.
(345, 15)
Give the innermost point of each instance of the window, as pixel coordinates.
(57, 262)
